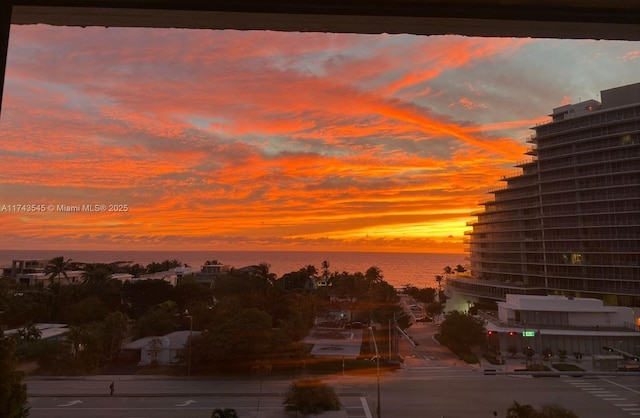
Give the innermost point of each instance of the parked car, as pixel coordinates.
(425, 319)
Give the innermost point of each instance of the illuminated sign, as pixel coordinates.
(528, 333)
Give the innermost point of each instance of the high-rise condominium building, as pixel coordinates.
(569, 223)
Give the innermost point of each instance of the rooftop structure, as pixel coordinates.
(569, 223)
(564, 312)
(47, 331)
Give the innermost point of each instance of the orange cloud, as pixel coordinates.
(254, 140)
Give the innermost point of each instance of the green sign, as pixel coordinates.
(528, 333)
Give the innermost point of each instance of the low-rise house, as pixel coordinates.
(123, 277)
(24, 267)
(167, 276)
(182, 271)
(31, 279)
(167, 349)
(51, 332)
(209, 272)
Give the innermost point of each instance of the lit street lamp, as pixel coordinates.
(375, 345)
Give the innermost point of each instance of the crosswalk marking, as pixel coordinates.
(606, 395)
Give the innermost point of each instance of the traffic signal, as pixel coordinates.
(511, 333)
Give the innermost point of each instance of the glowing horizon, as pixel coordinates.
(257, 140)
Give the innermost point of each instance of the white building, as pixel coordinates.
(165, 349)
(580, 325)
(30, 279)
(123, 277)
(168, 276)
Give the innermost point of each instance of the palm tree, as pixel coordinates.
(439, 278)
(325, 270)
(95, 277)
(460, 268)
(448, 270)
(57, 267)
(373, 275)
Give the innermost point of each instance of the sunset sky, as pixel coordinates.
(231, 140)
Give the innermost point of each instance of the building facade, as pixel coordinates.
(558, 323)
(210, 272)
(569, 223)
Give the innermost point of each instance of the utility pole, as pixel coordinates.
(375, 345)
(190, 343)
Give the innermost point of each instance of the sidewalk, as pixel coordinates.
(519, 362)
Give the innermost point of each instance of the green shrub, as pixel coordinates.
(311, 396)
(565, 367)
(224, 413)
(492, 359)
(469, 358)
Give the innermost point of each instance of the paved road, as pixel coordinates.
(451, 393)
(435, 384)
(170, 407)
(410, 393)
(167, 397)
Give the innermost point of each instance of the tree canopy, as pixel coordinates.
(462, 330)
(13, 392)
(517, 410)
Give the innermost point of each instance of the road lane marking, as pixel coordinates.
(365, 406)
(71, 403)
(622, 386)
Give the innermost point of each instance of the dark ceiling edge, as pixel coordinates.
(522, 10)
(321, 23)
(5, 24)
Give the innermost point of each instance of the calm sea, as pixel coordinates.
(398, 269)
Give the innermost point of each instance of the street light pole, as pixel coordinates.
(190, 344)
(389, 340)
(375, 345)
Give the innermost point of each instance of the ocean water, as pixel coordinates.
(398, 269)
